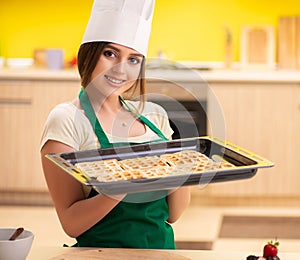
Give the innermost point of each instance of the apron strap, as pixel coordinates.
(102, 138)
(90, 113)
(144, 120)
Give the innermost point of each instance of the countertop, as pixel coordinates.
(216, 75)
(38, 253)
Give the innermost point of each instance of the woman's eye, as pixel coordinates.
(134, 60)
(109, 54)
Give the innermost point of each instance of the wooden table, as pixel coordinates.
(55, 253)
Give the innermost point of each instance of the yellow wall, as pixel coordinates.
(30, 24)
(184, 30)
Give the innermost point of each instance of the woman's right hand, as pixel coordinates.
(76, 213)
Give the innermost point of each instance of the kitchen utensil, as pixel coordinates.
(16, 233)
(287, 42)
(19, 63)
(246, 164)
(39, 56)
(228, 49)
(55, 59)
(17, 249)
(298, 42)
(257, 47)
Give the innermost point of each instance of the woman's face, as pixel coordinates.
(117, 69)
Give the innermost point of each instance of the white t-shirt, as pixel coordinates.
(68, 124)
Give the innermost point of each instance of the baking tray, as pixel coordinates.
(246, 164)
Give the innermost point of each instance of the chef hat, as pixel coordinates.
(125, 22)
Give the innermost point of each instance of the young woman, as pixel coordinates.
(107, 71)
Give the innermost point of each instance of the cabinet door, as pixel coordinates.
(47, 94)
(24, 107)
(265, 119)
(16, 119)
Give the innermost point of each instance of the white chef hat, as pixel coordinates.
(125, 22)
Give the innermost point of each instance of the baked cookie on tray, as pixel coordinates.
(183, 162)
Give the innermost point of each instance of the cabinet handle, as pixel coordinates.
(15, 102)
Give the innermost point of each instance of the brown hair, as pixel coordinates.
(87, 58)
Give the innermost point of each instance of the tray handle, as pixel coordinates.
(261, 161)
(69, 168)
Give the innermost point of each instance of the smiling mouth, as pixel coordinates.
(114, 80)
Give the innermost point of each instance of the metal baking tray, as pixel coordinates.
(246, 164)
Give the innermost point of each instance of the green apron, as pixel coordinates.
(141, 224)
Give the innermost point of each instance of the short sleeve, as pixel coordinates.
(158, 116)
(68, 125)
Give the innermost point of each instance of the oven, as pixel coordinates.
(187, 118)
(185, 103)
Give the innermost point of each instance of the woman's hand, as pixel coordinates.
(76, 212)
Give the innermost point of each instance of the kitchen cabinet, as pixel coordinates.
(264, 118)
(24, 107)
(16, 117)
(261, 113)
(25, 102)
